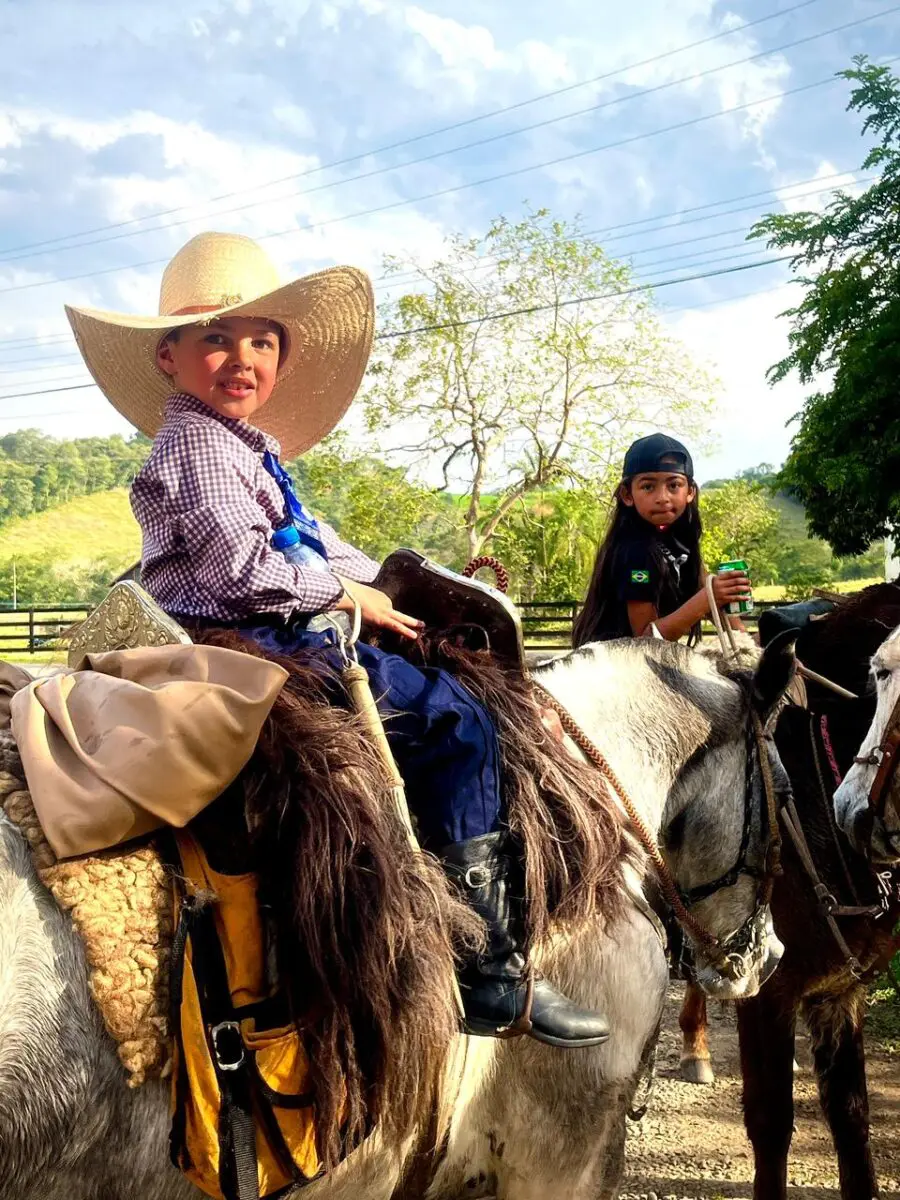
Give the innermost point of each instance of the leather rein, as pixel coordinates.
(727, 955)
(829, 908)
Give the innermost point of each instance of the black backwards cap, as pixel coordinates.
(657, 453)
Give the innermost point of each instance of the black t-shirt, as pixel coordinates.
(647, 566)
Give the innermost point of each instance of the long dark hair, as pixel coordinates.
(599, 615)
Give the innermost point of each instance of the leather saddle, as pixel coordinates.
(444, 599)
(128, 617)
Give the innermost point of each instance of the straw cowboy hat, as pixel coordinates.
(328, 319)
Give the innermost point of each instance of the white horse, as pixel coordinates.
(523, 1121)
(875, 831)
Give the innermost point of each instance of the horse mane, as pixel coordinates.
(365, 928)
(568, 825)
(840, 644)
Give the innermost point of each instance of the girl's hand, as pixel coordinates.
(730, 587)
(378, 610)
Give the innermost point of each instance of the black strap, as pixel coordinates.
(178, 1148)
(238, 1169)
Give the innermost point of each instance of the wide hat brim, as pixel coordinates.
(329, 319)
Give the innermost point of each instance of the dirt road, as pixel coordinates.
(691, 1143)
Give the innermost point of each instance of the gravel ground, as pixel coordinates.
(692, 1144)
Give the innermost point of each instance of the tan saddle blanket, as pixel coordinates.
(90, 759)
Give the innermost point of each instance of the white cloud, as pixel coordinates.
(740, 341)
(296, 120)
(313, 81)
(796, 198)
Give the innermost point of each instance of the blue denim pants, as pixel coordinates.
(443, 741)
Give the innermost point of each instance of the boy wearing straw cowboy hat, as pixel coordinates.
(235, 370)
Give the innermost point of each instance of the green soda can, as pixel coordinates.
(739, 608)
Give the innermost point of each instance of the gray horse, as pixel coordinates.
(520, 1121)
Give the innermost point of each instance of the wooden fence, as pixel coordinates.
(29, 630)
(547, 625)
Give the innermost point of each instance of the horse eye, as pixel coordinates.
(882, 673)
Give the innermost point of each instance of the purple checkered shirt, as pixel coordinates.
(207, 508)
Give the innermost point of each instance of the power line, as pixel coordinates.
(11, 362)
(376, 171)
(530, 309)
(687, 124)
(70, 361)
(499, 316)
(35, 339)
(609, 229)
(409, 278)
(664, 312)
(423, 136)
(669, 262)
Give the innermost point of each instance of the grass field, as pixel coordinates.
(773, 591)
(78, 532)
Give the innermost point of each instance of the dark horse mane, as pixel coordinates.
(840, 644)
(366, 930)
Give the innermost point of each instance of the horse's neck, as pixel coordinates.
(616, 703)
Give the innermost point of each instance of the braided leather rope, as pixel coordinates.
(597, 759)
(487, 560)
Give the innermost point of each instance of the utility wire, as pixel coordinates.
(456, 188)
(528, 310)
(609, 229)
(423, 136)
(663, 312)
(493, 138)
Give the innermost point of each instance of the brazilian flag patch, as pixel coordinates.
(640, 576)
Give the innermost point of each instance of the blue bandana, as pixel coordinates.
(298, 538)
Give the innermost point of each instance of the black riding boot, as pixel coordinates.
(501, 995)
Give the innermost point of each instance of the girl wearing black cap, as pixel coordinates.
(648, 570)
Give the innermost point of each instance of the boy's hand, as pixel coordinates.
(731, 586)
(378, 610)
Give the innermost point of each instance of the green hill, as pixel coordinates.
(69, 553)
(99, 526)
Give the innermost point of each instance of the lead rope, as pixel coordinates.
(824, 796)
(597, 759)
(722, 628)
(730, 647)
(487, 560)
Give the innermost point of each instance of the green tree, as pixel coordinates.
(546, 397)
(376, 506)
(549, 541)
(739, 520)
(38, 472)
(845, 457)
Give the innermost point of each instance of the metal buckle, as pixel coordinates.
(477, 876)
(227, 1045)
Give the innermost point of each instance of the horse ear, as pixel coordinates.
(774, 672)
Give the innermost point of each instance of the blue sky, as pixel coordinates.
(112, 112)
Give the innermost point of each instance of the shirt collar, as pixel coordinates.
(257, 439)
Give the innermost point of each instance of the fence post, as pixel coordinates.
(31, 631)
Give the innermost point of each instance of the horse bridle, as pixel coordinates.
(732, 955)
(744, 943)
(884, 757)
